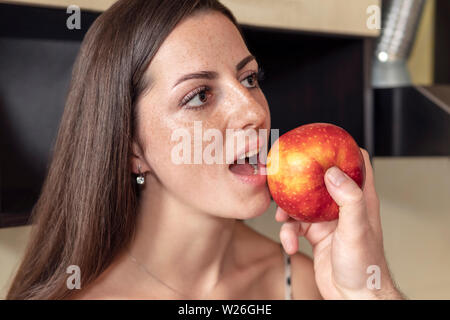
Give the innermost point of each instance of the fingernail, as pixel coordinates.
(336, 176)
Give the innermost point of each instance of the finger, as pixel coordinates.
(369, 185)
(370, 194)
(281, 215)
(350, 199)
(289, 236)
(316, 232)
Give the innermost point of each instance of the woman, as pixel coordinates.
(178, 234)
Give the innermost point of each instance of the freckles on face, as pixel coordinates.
(203, 42)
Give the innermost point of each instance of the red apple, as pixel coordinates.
(296, 176)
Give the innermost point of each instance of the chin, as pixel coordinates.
(255, 206)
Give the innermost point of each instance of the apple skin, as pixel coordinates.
(296, 177)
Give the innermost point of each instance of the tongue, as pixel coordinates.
(244, 169)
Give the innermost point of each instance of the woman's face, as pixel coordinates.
(231, 100)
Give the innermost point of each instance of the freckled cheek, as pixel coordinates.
(268, 119)
(194, 181)
(265, 110)
(156, 140)
(268, 123)
(158, 153)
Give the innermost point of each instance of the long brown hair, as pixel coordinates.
(86, 212)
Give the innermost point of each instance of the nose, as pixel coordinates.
(243, 110)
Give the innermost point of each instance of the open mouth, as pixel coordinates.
(248, 164)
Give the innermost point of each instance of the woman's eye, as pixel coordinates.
(196, 99)
(252, 80)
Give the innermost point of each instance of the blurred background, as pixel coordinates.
(379, 69)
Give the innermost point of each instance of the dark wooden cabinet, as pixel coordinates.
(314, 78)
(37, 52)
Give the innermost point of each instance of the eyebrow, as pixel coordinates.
(212, 74)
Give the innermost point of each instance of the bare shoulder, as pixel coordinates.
(83, 294)
(103, 287)
(269, 254)
(101, 291)
(254, 245)
(303, 278)
(95, 291)
(92, 296)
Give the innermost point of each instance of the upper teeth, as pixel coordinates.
(249, 154)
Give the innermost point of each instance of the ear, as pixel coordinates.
(138, 159)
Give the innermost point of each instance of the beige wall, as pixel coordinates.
(310, 15)
(421, 60)
(12, 246)
(96, 5)
(415, 211)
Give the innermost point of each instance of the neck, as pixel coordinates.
(185, 248)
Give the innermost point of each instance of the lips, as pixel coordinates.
(250, 149)
(249, 174)
(246, 160)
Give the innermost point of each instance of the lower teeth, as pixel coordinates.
(255, 168)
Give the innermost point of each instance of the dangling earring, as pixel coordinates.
(140, 178)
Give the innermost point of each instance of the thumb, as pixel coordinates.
(350, 199)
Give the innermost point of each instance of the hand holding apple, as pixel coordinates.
(297, 163)
(345, 249)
